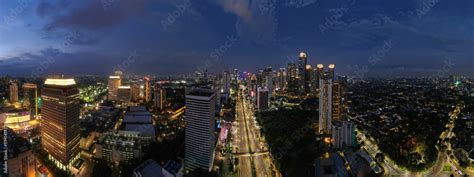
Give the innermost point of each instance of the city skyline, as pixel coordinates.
(237, 88)
(409, 38)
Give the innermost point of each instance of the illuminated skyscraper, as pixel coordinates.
(60, 121)
(13, 92)
(268, 78)
(281, 81)
(147, 90)
(226, 82)
(293, 78)
(262, 99)
(114, 84)
(31, 98)
(303, 61)
(325, 99)
(135, 92)
(308, 72)
(337, 101)
(124, 94)
(199, 138)
(160, 96)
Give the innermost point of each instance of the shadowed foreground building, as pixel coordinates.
(199, 132)
(60, 121)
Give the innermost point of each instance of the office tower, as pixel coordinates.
(314, 81)
(343, 134)
(293, 78)
(160, 95)
(60, 121)
(225, 82)
(337, 101)
(308, 72)
(147, 90)
(199, 133)
(262, 99)
(253, 85)
(319, 71)
(13, 92)
(31, 98)
(281, 79)
(303, 61)
(135, 89)
(124, 94)
(325, 99)
(114, 84)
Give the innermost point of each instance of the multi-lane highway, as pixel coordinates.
(253, 158)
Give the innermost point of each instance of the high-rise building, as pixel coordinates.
(319, 72)
(13, 92)
(269, 83)
(135, 92)
(253, 85)
(225, 82)
(147, 90)
(314, 81)
(337, 101)
(60, 121)
(281, 81)
(325, 99)
(309, 74)
(303, 61)
(124, 94)
(114, 84)
(343, 134)
(31, 98)
(160, 97)
(262, 99)
(293, 78)
(199, 138)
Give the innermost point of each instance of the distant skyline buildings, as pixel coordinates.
(13, 92)
(31, 98)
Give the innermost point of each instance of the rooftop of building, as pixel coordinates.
(172, 167)
(202, 92)
(149, 168)
(145, 129)
(60, 82)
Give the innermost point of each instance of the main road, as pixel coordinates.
(253, 157)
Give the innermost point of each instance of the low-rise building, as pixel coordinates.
(121, 146)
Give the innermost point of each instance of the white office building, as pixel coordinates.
(199, 132)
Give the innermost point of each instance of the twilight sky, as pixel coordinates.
(362, 37)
